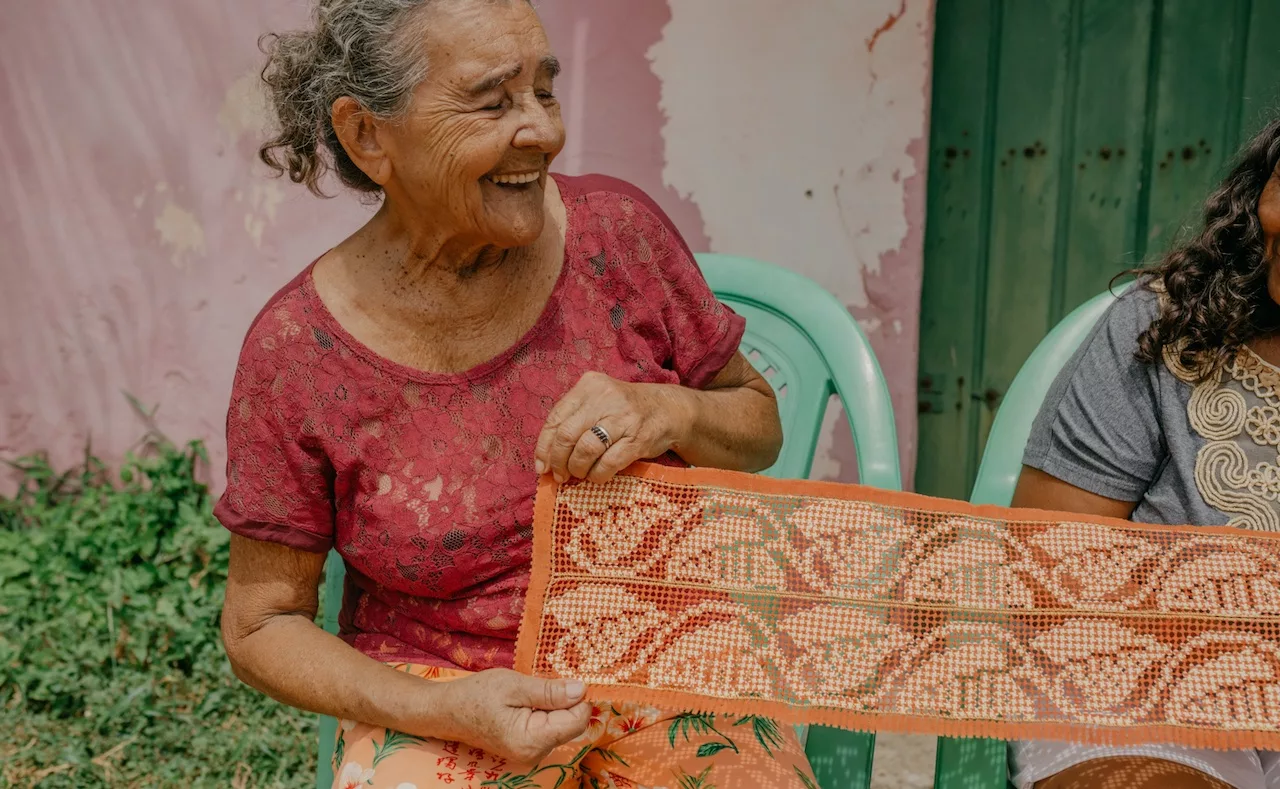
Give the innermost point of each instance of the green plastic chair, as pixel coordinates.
(969, 763)
(809, 348)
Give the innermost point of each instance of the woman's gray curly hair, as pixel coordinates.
(370, 50)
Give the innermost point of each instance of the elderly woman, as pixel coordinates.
(399, 398)
(1170, 413)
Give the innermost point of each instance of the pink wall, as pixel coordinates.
(138, 236)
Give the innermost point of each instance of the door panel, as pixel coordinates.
(1070, 140)
(961, 150)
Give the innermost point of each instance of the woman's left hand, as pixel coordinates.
(641, 421)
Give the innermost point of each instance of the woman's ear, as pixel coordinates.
(357, 130)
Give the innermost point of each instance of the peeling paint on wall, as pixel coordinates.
(791, 127)
(264, 199)
(180, 232)
(610, 97)
(777, 130)
(244, 107)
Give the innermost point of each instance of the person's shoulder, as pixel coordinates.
(281, 321)
(1136, 307)
(605, 193)
(598, 185)
(630, 215)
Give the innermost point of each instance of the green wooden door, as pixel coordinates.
(1070, 140)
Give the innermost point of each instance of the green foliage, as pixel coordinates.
(766, 731)
(112, 671)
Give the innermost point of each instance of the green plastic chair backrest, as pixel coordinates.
(974, 763)
(809, 348)
(1002, 458)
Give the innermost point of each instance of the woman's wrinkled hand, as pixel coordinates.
(515, 716)
(642, 421)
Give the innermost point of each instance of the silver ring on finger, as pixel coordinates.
(601, 434)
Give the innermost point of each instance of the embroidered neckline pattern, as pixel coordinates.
(840, 605)
(1238, 407)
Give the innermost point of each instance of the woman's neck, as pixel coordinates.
(1267, 347)
(423, 278)
(412, 249)
(436, 306)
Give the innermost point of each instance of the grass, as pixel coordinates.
(112, 672)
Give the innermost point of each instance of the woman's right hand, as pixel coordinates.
(515, 716)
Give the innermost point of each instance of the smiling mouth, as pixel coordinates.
(514, 180)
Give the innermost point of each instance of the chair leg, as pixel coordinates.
(840, 759)
(324, 766)
(971, 764)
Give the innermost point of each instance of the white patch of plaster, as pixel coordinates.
(181, 232)
(897, 326)
(826, 465)
(789, 127)
(244, 107)
(254, 226)
(264, 199)
(870, 325)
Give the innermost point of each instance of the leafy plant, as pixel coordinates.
(112, 671)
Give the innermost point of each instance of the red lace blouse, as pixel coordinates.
(424, 482)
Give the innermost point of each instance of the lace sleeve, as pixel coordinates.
(279, 479)
(701, 333)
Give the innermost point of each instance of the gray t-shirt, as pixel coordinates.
(1186, 452)
(1198, 454)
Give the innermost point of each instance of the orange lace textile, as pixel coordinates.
(847, 606)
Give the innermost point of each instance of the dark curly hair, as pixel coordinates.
(1216, 281)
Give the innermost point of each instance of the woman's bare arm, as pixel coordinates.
(1039, 490)
(268, 626)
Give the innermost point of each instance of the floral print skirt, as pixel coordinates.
(626, 746)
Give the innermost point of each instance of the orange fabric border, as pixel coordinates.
(918, 514)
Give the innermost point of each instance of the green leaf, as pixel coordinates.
(766, 731)
(581, 754)
(682, 724)
(394, 741)
(804, 779)
(698, 781)
(511, 781)
(611, 756)
(339, 750)
(710, 749)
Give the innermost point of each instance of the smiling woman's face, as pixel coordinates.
(481, 131)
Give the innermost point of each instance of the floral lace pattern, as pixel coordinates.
(424, 482)
(1237, 413)
(847, 606)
